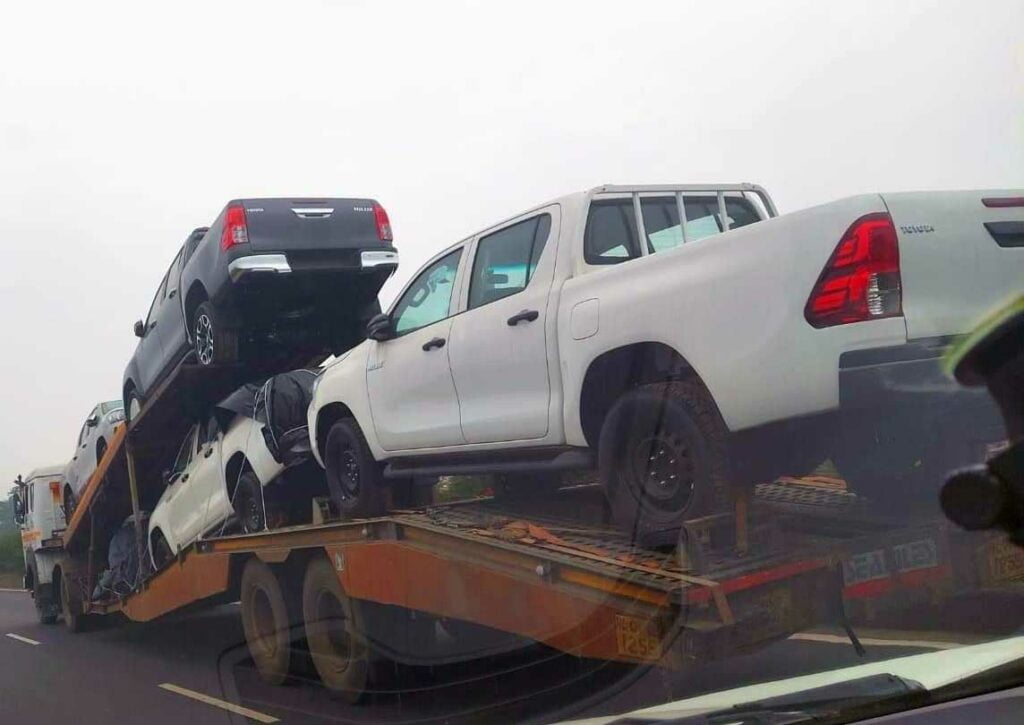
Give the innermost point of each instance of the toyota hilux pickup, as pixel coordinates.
(270, 283)
(680, 359)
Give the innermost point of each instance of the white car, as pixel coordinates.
(596, 330)
(217, 473)
(92, 444)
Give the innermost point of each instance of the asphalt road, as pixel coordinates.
(165, 671)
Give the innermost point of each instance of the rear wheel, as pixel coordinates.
(132, 406)
(249, 503)
(354, 478)
(212, 342)
(162, 554)
(268, 616)
(70, 602)
(662, 456)
(335, 631)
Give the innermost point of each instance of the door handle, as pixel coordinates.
(524, 316)
(208, 452)
(170, 295)
(184, 477)
(152, 324)
(437, 342)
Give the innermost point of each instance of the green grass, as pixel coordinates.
(11, 559)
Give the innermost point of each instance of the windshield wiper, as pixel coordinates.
(839, 702)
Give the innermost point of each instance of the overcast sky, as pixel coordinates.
(122, 127)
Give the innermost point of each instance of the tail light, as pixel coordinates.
(234, 231)
(862, 278)
(383, 223)
(55, 490)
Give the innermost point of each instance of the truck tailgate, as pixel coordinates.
(283, 225)
(953, 268)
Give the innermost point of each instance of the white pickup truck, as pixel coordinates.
(595, 330)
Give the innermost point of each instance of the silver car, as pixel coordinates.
(93, 439)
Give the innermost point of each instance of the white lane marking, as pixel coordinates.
(875, 642)
(222, 704)
(18, 637)
(20, 591)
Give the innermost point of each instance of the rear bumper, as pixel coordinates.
(343, 261)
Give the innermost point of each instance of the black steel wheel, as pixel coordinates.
(161, 550)
(248, 503)
(354, 478)
(662, 456)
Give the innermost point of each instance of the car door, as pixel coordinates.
(408, 378)
(149, 356)
(170, 321)
(498, 348)
(207, 495)
(176, 497)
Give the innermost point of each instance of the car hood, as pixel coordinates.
(932, 670)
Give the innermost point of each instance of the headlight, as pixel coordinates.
(116, 416)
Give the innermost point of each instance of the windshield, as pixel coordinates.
(517, 362)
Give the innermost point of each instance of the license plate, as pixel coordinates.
(1005, 562)
(637, 638)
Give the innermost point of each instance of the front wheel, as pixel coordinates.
(662, 456)
(354, 477)
(161, 550)
(249, 503)
(212, 342)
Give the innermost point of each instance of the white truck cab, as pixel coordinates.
(40, 516)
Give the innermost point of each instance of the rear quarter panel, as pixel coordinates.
(733, 306)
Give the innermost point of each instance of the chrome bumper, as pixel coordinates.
(378, 259)
(242, 266)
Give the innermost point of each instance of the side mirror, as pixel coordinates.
(169, 478)
(92, 422)
(380, 328)
(19, 511)
(140, 329)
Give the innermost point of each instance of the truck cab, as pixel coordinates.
(40, 516)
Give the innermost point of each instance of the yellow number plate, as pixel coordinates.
(637, 638)
(1005, 562)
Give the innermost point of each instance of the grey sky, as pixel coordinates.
(123, 126)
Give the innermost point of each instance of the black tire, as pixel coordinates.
(248, 503)
(354, 478)
(70, 502)
(161, 550)
(270, 617)
(132, 405)
(335, 631)
(70, 603)
(101, 449)
(212, 343)
(662, 457)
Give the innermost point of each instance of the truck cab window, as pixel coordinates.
(610, 237)
(428, 299)
(505, 261)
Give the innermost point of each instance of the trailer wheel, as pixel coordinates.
(212, 343)
(70, 603)
(354, 478)
(662, 456)
(335, 632)
(249, 503)
(268, 614)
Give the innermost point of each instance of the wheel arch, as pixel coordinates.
(616, 371)
(195, 296)
(326, 417)
(237, 464)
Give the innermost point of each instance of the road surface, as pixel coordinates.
(194, 668)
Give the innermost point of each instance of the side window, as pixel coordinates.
(661, 219)
(429, 298)
(157, 299)
(610, 237)
(506, 260)
(173, 274)
(188, 447)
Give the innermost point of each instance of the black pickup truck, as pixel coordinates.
(271, 283)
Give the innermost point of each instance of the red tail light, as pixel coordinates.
(383, 223)
(235, 231)
(862, 278)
